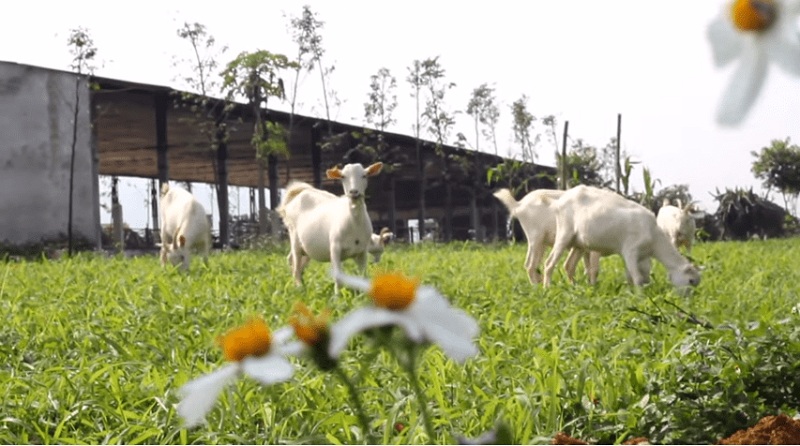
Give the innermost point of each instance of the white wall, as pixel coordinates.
(36, 117)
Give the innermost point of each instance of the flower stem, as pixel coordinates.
(358, 406)
(410, 366)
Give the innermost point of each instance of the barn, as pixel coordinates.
(129, 129)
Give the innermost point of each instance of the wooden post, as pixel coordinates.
(161, 102)
(563, 185)
(117, 230)
(616, 156)
(316, 157)
(222, 190)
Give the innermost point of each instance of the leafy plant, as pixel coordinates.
(743, 214)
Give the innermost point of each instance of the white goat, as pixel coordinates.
(329, 229)
(378, 243)
(599, 220)
(538, 221)
(184, 226)
(678, 223)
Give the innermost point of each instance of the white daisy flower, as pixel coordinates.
(422, 313)
(254, 351)
(758, 32)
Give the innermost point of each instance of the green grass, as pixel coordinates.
(94, 350)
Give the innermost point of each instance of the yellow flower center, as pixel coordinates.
(393, 291)
(753, 15)
(308, 327)
(251, 339)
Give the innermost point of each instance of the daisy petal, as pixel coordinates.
(454, 344)
(791, 7)
(355, 282)
(199, 395)
(281, 335)
(783, 46)
(295, 348)
(365, 318)
(431, 303)
(726, 43)
(745, 86)
(268, 369)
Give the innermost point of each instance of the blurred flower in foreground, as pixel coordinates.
(254, 351)
(422, 313)
(314, 331)
(758, 32)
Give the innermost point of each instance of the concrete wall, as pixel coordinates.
(36, 134)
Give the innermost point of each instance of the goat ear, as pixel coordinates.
(334, 173)
(181, 241)
(374, 169)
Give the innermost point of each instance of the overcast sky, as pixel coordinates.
(581, 60)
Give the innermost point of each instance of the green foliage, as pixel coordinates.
(483, 108)
(255, 76)
(522, 126)
(209, 114)
(382, 100)
(583, 165)
(674, 193)
(625, 176)
(81, 46)
(275, 142)
(306, 32)
(440, 120)
(743, 214)
(95, 349)
(778, 166)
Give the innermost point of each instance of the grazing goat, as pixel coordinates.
(678, 223)
(327, 228)
(184, 226)
(538, 221)
(378, 243)
(599, 220)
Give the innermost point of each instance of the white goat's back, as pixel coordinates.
(602, 220)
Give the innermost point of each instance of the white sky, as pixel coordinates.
(581, 60)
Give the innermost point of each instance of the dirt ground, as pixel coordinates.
(778, 429)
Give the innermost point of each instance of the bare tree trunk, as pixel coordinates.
(618, 167)
(564, 157)
(76, 110)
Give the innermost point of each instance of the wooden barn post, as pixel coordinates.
(618, 167)
(563, 185)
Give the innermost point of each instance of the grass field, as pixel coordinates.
(94, 350)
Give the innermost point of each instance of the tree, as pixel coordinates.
(255, 77)
(743, 214)
(522, 127)
(83, 51)
(378, 111)
(382, 100)
(583, 165)
(209, 114)
(674, 193)
(778, 167)
(482, 107)
(416, 80)
(440, 123)
(307, 35)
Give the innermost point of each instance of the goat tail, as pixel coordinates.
(508, 200)
(292, 190)
(164, 188)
